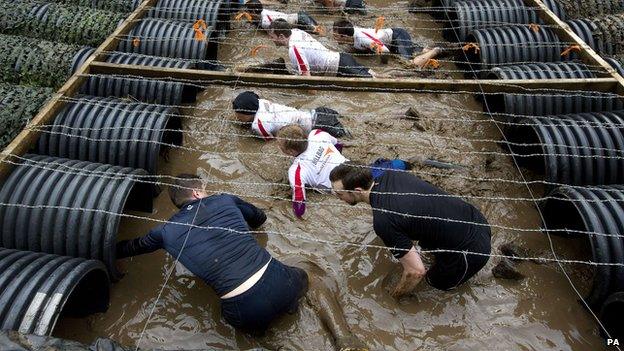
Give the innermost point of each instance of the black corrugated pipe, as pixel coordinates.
(542, 70)
(513, 44)
(112, 131)
(467, 16)
(146, 90)
(617, 64)
(36, 288)
(548, 103)
(611, 315)
(214, 12)
(69, 207)
(575, 149)
(447, 7)
(597, 210)
(168, 39)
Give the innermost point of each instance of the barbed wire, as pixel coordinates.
(302, 237)
(208, 83)
(358, 115)
(149, 179)
(46, 129)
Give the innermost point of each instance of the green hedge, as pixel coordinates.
(590, 8)
(610, 31)
(15, 15)
(110, 5)
(18, 105)
(35, 62)
(68, 24)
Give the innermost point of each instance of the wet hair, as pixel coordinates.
(281, 27)
(182, 190)
(353, 175)
(293, 137)
(246, 103)
(343, 27)
(254, 7)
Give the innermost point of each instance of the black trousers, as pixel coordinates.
(349, 67)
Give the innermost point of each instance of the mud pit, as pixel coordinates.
(540, 312)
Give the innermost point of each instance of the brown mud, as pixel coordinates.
(540, 312)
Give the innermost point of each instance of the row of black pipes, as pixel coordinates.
(575, 140)
(61, 206)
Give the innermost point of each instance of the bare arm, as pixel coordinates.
(413, 272)
(422, 59)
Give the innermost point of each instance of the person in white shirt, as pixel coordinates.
(348, 6)
(388, 40)
(265, 118)
(263, 17)
(316, 154)
(309, 57)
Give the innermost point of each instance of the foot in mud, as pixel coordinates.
(506, 269)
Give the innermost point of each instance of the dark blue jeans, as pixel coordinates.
(402, 44)
(277, 292)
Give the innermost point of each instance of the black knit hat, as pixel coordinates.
(246, 103)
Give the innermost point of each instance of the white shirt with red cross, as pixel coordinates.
(312, 167)
(308, 55)
(365, 39)
(268, 16)
(270, 117)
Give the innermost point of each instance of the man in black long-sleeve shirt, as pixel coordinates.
(406, 208)
(210, 235)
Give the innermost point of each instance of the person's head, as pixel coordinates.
(292, 140)
(254, 8)
(343, 31)
(245, 106)
(351, 182)
(280, 32)
(186, 188)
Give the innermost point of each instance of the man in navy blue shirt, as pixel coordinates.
(210, 236)
(405, 209)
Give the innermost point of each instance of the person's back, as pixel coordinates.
(436, 219)
(307, 53)
(219, 249)
(316, 154)
(271, 117)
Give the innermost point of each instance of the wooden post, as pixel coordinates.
(587, 54)
(24, 140)
(356, 84)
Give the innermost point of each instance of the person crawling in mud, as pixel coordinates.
(255, 288)
(382, 41)
(406, 208)
(347, 6)
(316, 154)
(265, 118)
(309, 57)
(263, 18)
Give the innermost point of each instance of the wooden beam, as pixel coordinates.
(207, 78)
(24, 140)
(587, 54)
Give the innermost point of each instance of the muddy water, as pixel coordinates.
(539, 313)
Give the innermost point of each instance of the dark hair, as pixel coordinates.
(254, 7)
(182, 190)
(281, 27)
(246, 103)
(353, 175)
(343, 27)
